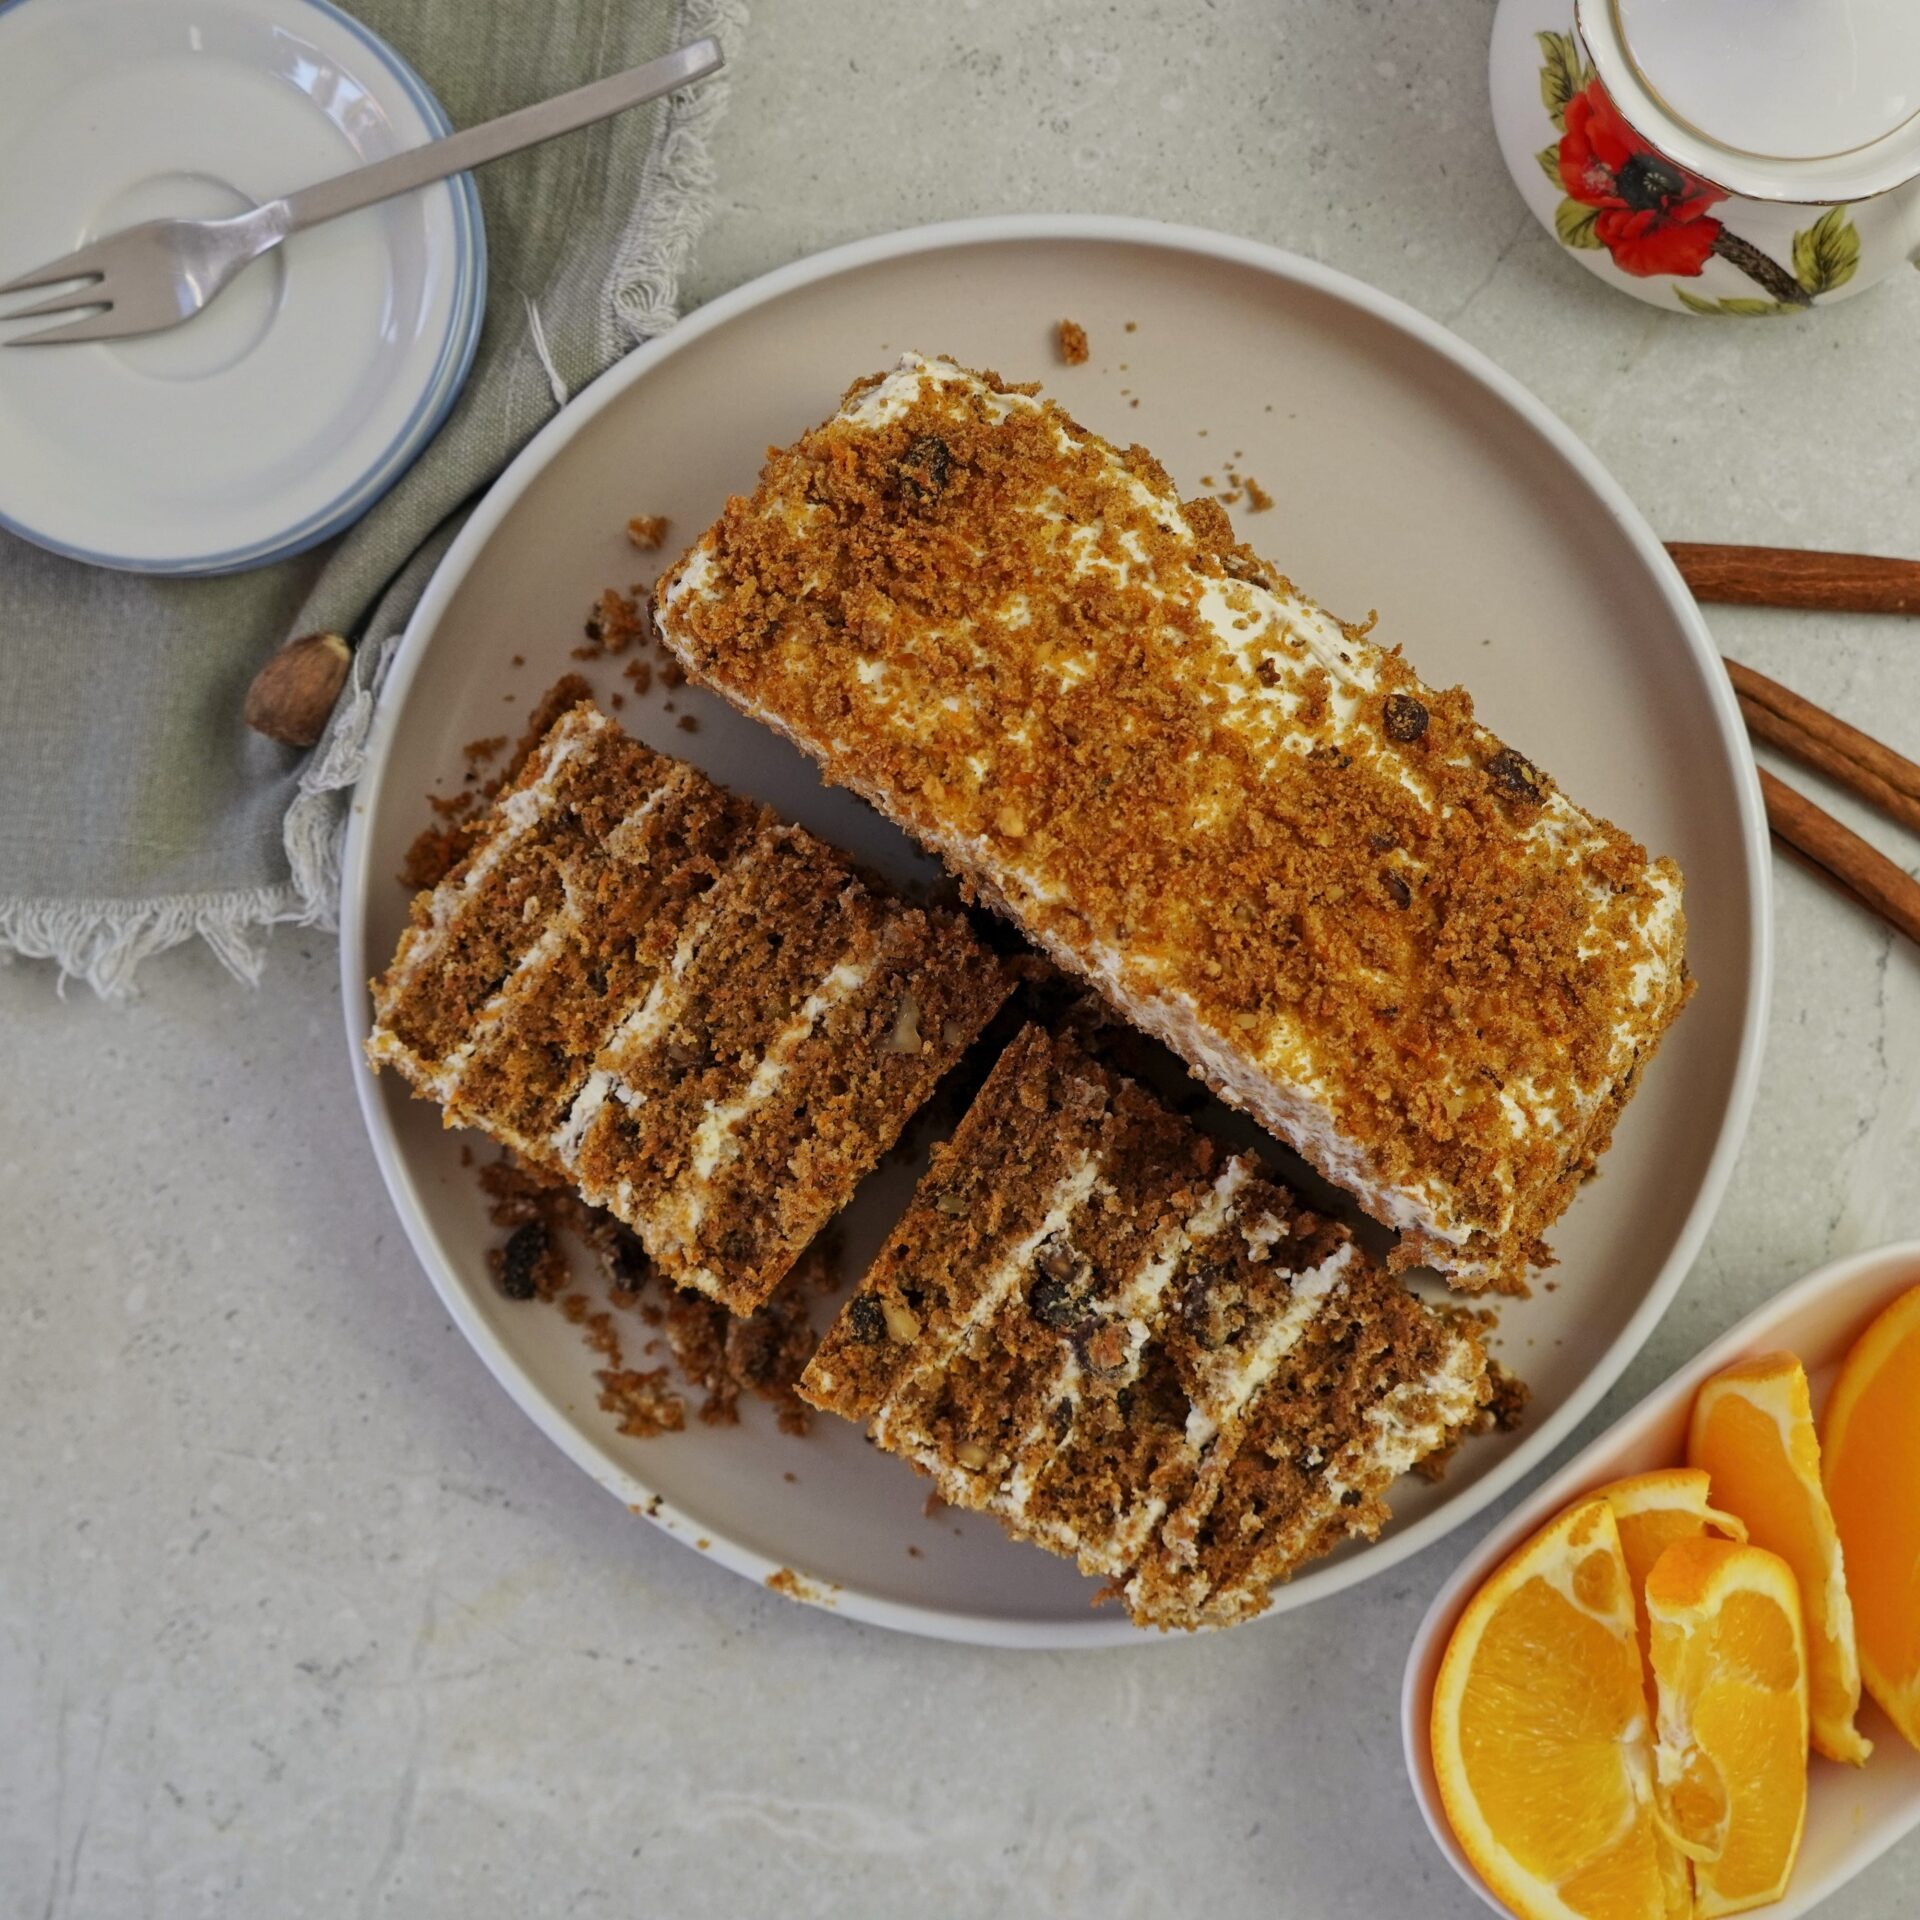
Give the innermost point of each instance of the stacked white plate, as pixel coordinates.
(276, 418)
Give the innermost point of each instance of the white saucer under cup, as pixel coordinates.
(278, 416)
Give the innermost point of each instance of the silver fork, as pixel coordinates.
(162, 272)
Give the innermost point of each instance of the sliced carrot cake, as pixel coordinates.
(1348, 906)
(1138, 1352)
(700, 1016)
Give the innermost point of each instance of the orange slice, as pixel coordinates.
(1870, 1447)
(1653, 1511)
(1729, 1654)
(1753, 1433)
(1540, 1737)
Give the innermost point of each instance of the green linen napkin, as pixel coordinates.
(137, 810)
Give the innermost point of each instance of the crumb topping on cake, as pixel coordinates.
(701, 1018)
(1348, 905)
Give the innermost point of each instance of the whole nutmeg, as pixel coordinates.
(293, 694)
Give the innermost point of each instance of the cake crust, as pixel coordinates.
(1351, 908)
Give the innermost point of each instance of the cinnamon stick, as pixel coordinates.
(1812, 750)
(1797, 577)
(1862, 870)
(1895, 769)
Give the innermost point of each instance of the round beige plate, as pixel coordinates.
(1407, 474)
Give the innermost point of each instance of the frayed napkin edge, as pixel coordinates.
(102, 942)
(675, 200)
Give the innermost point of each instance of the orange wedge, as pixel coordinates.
(1540, 1737)
(1753, 1433)
(1870, 1448)
(1729, 1654)
(1653, 1511)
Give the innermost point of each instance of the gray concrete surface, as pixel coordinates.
(297, 1613)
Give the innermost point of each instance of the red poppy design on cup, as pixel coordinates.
(1652, 216)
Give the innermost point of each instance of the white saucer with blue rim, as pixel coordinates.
(278, 416)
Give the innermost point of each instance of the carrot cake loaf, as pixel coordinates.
(699, 1016)
(1139, 1353)
(1349, 907)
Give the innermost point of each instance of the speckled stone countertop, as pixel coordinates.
(298, 1615)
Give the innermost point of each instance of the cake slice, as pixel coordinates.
(699, 1016)
(1350, 908)
(1140, 1353)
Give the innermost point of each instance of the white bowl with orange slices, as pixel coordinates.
(1683, 1678)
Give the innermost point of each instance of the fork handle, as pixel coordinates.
(473, 146)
